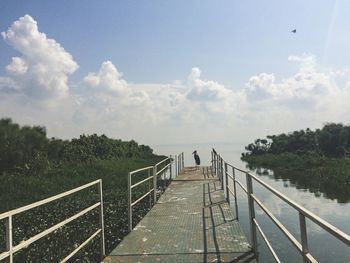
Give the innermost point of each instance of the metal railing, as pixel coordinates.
(12, 248)
(221, 169)
(179, 162)
(153, 173)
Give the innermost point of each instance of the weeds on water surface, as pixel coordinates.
(17, 191)
(329, 176)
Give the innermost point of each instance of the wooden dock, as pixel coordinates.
(191, 222)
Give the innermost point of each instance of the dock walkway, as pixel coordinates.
(191, 222)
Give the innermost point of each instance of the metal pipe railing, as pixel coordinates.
(302, 247)
(8, 216)
(153, 172)
(251, 210)
(179, 163)
(157, 171)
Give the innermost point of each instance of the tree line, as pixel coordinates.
(333, 140)
(28, 150)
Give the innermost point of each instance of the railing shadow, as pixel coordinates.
(211, 224)
(207, 172)
(244, 258)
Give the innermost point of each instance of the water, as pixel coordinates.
(322, 245)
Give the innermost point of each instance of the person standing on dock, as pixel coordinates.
(196, 158)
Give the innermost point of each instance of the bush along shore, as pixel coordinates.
(316, 160)
(34, 167)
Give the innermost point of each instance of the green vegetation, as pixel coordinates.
(333, 140)
(27, 151)
(33, 167)
(316, 160)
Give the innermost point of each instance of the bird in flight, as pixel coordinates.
(294, 31)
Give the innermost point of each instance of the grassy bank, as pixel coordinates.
(34, 167)
(330, 176)
(19, 190)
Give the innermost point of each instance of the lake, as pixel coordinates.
(322, 245)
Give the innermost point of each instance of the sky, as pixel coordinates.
(173, 72)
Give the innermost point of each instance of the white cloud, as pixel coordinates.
(261, 87)
(7, 85)
(108, 79)
(18, 66)
(204, 90)
(308, 98)
(210, 101)
(42, 71)
(190, 103)
(204, 110)
(306, 89)
(307, 62)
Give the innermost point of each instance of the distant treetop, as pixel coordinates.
(333, 140)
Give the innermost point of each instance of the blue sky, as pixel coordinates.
(158, 41)
(211, 58)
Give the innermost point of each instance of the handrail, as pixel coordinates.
(164, 160)
(8, 216)
(162, 170)
(267, 242)
(153, 174)
(11, 248)
(45, 201)
(218, 165)
(179, 163)
(141, 169)
(141, 182)
(243, 171)
(81, 246)
(316, 219)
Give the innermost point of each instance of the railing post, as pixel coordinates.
(219, 166)
(154, 184)
(164, 179)
(129, 203)
(303, 232)
(179, 162)
(222, 174)
(212, 161)
(176, 168)
(171, 169)
(9, 238)
(178, 165)
(216, 165)
(103, 247)
(251, 214)
(235, 191)
(183, 160)
(149, 188)
(226, 180)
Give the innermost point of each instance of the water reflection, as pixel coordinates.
(330, 209)
(308, 180)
